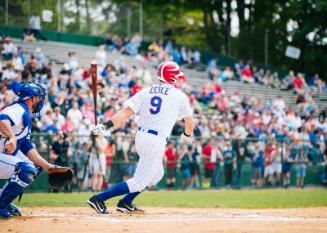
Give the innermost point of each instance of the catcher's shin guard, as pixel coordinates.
(24, 175)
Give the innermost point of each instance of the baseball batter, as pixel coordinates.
(15, 129)
(159, 107)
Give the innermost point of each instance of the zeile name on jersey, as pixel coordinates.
(159, 90)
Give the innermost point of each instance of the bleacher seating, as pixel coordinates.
(57, 52)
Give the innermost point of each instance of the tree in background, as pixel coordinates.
(235, 28)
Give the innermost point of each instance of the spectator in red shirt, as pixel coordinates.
(136, 88)
(222, 103)
(219, 89)
(269, 171)
(209, 164)
(68, 126)
(170, 156)
(299, 84)
(246, 75)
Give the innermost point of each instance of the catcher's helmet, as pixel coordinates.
(28, 90)
(169, 72)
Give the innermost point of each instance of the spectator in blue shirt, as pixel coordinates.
(315, 153)
(301, 160)
(21, 54)
(177, 56)
(292, 152)
(257, 165)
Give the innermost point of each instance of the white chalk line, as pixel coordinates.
(179, 218)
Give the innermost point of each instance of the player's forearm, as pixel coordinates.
(189, 125)
(36, 158)
(120, 117)
(5, 129)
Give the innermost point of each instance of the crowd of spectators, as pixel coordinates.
(249, 73)
(191, 58)
(156, 51)
(231, 130)
(127, 46)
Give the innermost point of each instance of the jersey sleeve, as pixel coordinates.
(26, 146)
(185, 110)
(6, 117)
(12, 113)
(135, 102)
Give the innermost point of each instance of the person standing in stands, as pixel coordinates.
(35, 22)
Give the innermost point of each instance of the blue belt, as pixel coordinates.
(150, 131)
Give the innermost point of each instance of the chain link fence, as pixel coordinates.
(207, 163)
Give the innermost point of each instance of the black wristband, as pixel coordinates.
(109, 124)
(186, 134)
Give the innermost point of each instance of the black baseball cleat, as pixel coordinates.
(127, 208)
(99, 206)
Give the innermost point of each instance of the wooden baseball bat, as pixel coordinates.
(94, 74)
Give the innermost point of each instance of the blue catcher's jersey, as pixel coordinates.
(21, 123)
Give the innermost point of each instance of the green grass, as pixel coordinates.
(251, 199)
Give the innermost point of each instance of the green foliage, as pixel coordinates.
(211, 29)
(186, 30)
(19, 12)
(250, 199)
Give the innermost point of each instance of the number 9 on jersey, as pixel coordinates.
(155, 104)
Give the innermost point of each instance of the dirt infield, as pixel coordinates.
(168, 220)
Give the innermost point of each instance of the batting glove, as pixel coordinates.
(98, 129)
(186, 139)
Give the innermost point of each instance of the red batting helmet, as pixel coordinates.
(169, 72)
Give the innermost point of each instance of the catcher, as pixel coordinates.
(15, 129)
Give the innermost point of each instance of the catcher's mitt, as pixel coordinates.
(60, 176)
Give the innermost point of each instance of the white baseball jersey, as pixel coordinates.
(21, 123)
(159, 107)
